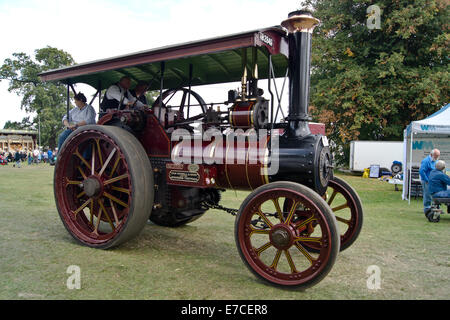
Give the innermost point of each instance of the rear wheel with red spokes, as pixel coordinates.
(103, 186)
(272, 242)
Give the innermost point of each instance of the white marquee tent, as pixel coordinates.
(422, 136)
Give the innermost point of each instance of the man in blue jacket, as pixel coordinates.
(438, 181)
(427, 165)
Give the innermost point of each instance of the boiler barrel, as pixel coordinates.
(246, 164)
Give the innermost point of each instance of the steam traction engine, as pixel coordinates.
(170, 164)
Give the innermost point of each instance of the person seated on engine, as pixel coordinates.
(139, 92)
(438, 181)
(118, 96)
(82, 115)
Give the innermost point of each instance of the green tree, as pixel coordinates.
(25, 124)
(47, 100)
(369, 84)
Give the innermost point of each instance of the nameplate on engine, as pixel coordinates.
(266, 39)
(185, 176)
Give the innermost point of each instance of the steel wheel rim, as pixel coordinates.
(350, 208)
(86, 213)
(297, 274)
(346, 213)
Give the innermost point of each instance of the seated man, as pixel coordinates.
(426, 166)
(82, 115)
(119, 97)
(139, 92)
(438, 181)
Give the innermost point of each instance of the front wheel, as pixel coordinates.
(273, 243)
(103, 186)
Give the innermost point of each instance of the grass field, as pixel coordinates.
(200, 260)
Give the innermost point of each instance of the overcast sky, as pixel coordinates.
(98, 29)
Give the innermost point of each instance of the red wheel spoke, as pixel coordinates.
(82, 173)
(120, 189)
(77, 153)
(305, 222)
(291, 212)
(82, 193)
(114, 212)
(110, 196)
(276, 259)
(93, 160)
(258, 231)
(107, 215)
(343, 206)
(333, 195)
(82, 207)
(115, 179)
(73, 182)
(98, 221)
(107, 162)
(263, 216)
(115, 166)
(263, 248)
(97, 142)
(277, 207)
(91, 214)
(304, 252)
(343, 220)
(309, 239)
(290, 261)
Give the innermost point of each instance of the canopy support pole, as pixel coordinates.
(68, 102)
(191, 68)
(73, 89)
(161, 89)
(99, 96)
(269, 88)
(410, 167)
(93, 98)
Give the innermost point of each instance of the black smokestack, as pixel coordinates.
(300, 25)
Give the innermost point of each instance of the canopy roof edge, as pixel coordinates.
(215, 60)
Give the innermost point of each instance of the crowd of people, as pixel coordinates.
(36, 156)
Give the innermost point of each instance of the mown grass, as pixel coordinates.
(200, 260)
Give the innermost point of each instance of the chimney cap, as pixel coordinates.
(300, 21)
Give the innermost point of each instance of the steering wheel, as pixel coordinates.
(189, 99)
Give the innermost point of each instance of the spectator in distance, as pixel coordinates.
(426, 166)
(438, 181)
